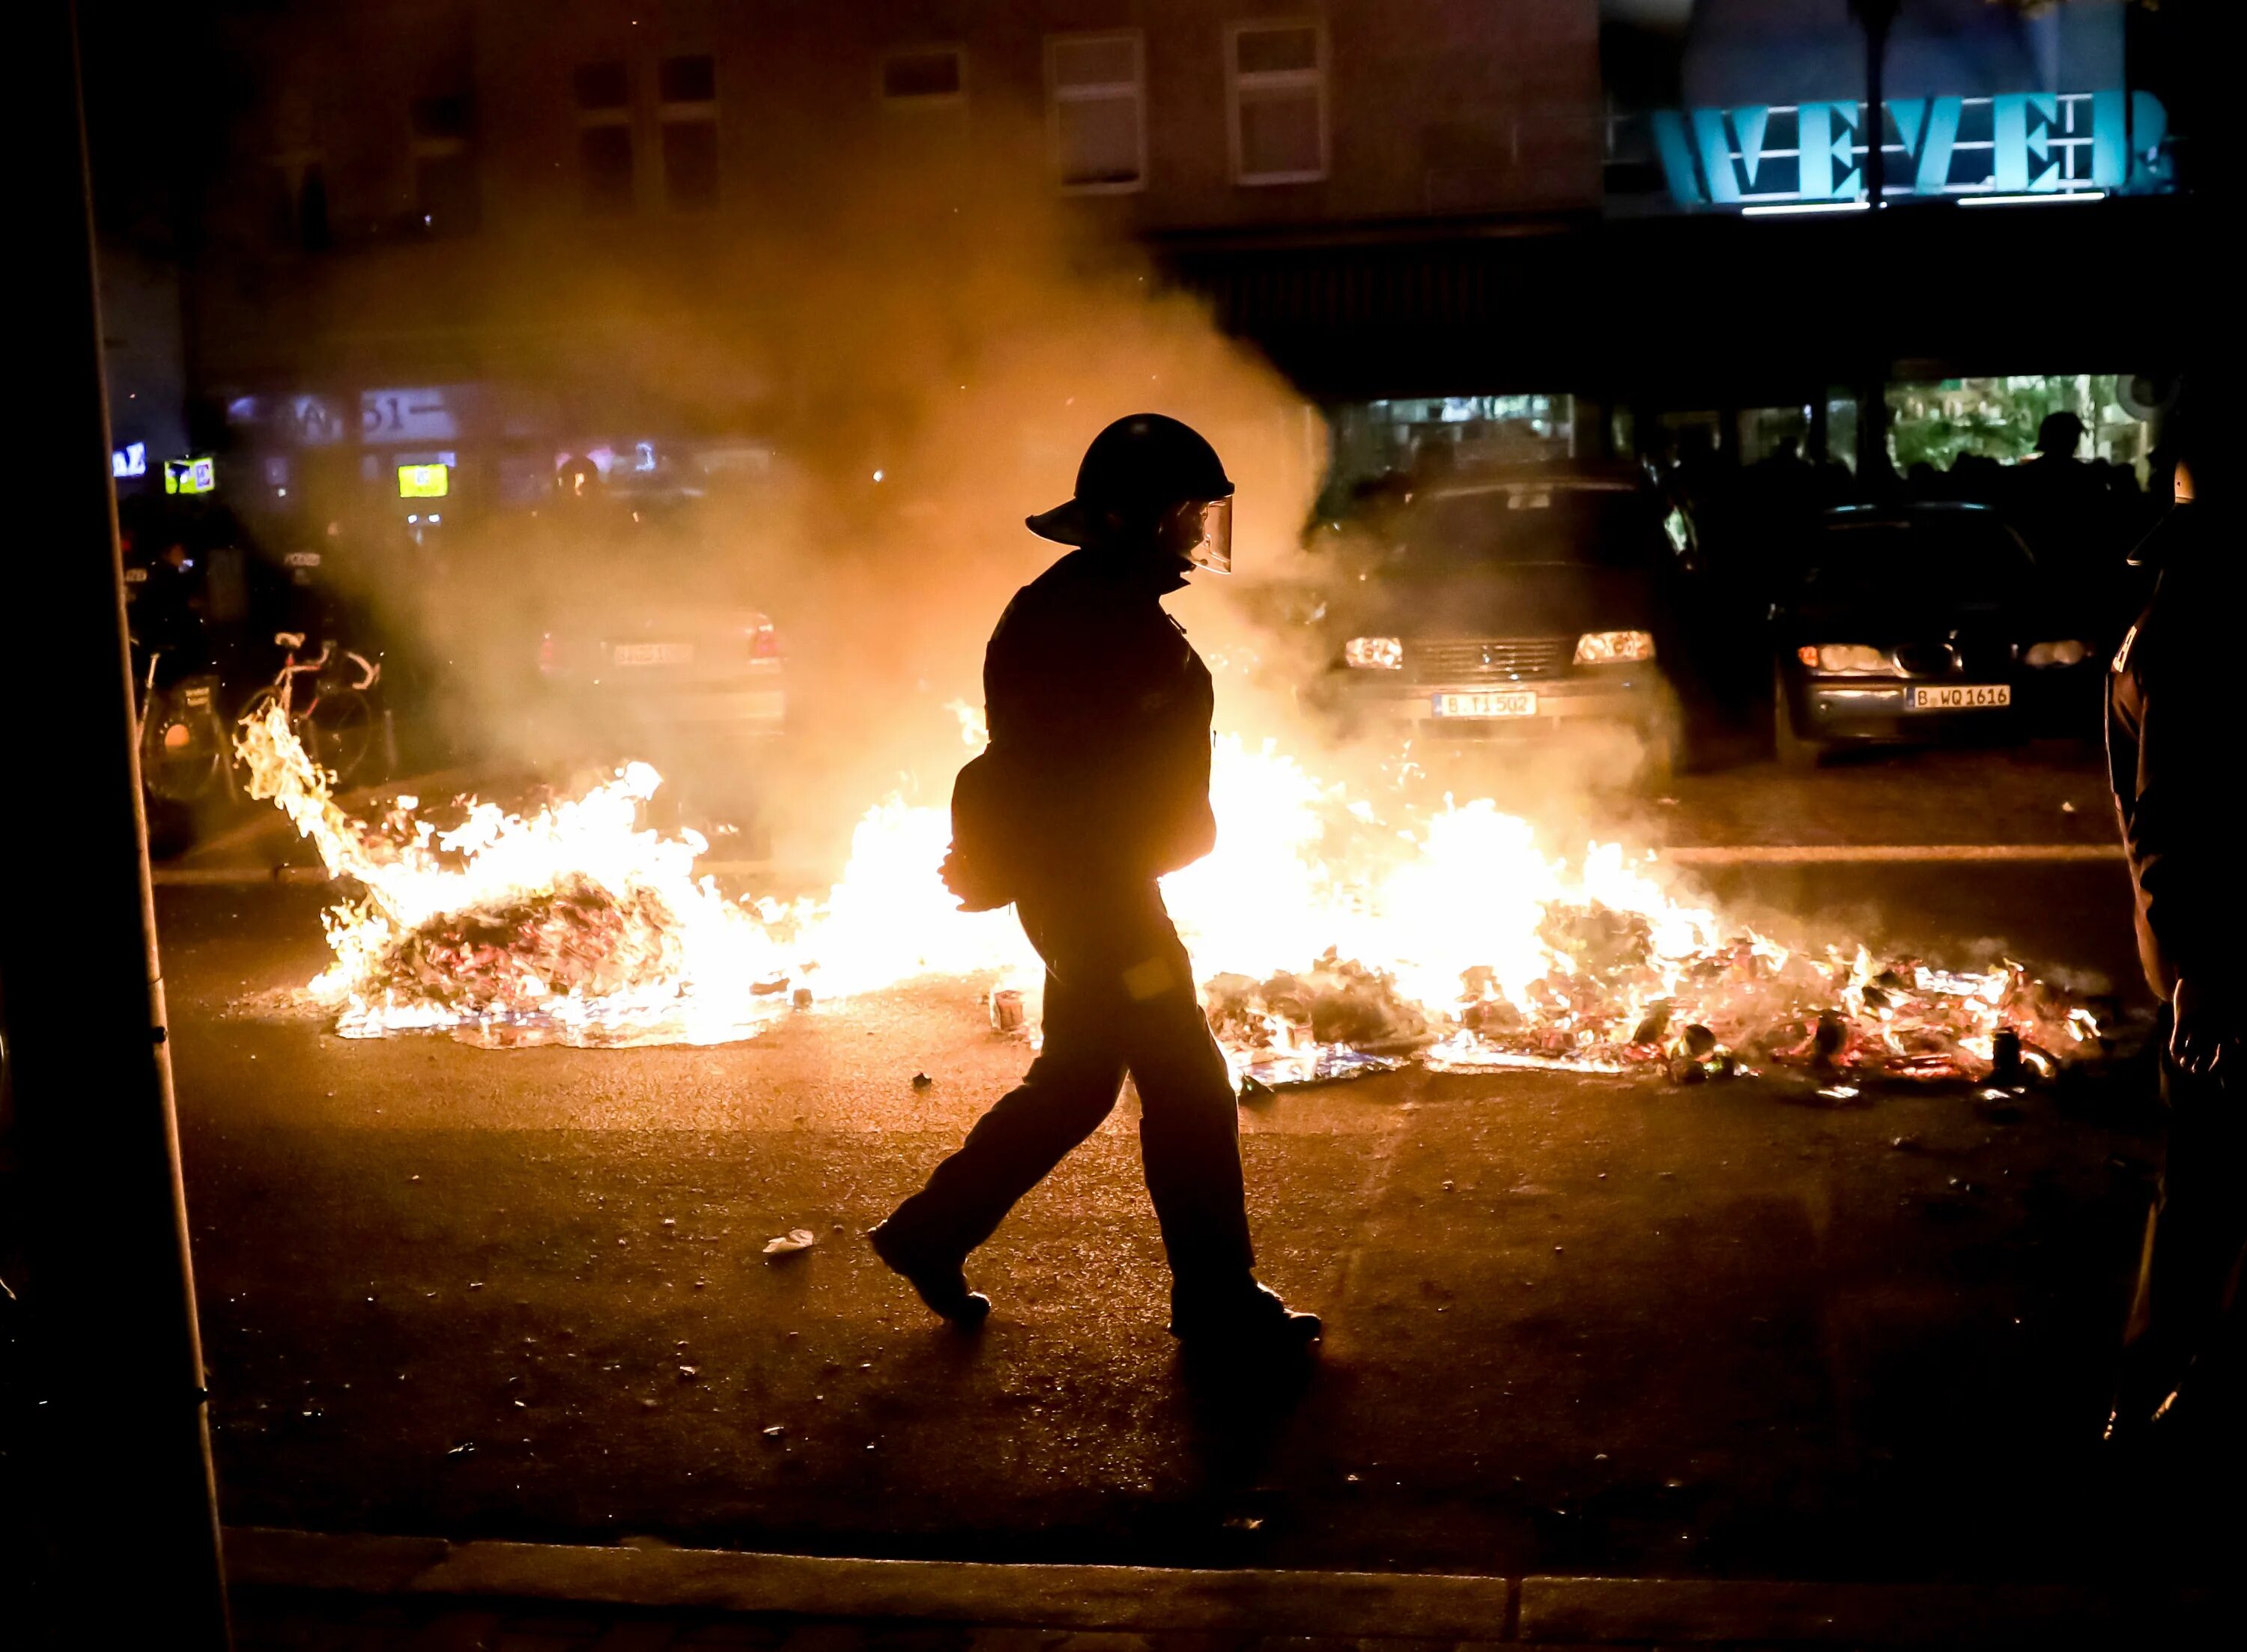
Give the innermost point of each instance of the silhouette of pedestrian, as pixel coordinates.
(1096, 783)
(2173, 743)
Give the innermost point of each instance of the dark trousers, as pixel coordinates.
(2181, 1315)
(1119, 998)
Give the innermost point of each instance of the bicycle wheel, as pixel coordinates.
(338, 730)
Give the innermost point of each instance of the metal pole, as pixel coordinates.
(116, 1492)
(1877, 17)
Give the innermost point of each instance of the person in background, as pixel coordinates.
(1094, 784)
(2173, 717)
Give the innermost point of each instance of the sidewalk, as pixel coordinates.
(306, 1590)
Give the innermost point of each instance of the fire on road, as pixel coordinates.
(1330, 937)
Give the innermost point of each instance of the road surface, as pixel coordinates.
(1575, 1323)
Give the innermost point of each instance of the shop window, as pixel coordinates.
(605, 138)
(931, 77)
(447, 198)
(1279, 102)
(688, 114)
(1097, 91)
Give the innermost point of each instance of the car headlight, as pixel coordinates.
(1374, 653)
(1844, 657)
(2068, 652)
(1614, 647)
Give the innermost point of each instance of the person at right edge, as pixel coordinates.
(2173, 738)
(1096, 783)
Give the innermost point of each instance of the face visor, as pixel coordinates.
(1212, 548)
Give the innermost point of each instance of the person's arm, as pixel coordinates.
(2184, 838)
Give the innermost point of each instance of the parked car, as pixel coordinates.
(1515, 604)
(1924, 622)
(656, 648)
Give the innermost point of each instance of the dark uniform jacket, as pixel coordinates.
(1099, 711)
(2174, 744)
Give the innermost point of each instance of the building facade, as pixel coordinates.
(440, 231)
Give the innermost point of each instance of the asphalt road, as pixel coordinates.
(1574, 1324)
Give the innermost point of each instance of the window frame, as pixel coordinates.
(1315, 78)
(687, 111)
(1101, 92)
(591, 118)
(422, 146)
(927, 100)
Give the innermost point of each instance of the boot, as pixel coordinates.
(1254, 1319)
(938, 1280)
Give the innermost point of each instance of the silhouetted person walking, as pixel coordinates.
(2173, 736)
(1096, 783)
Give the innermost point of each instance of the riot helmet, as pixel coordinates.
(1149, 475)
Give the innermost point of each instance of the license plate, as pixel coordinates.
(1514, 703)
(1962, 696)
(651, 654)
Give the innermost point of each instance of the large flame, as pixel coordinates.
(1323, 929)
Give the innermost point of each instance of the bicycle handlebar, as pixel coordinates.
(295, 667)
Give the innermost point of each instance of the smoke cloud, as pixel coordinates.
(926, 351)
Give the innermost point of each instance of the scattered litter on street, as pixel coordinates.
(1007, 1013)
(789, 1244)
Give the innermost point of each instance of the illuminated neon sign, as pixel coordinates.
(2051, 143)
(190, 476)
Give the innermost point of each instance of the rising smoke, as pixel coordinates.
(925, 353)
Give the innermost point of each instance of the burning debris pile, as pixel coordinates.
(1452, 940)
(574, 925)
(1614, 1005)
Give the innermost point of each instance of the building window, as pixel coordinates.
(1279, 85)
(446, 197)
(930, 76)
(605, 138)
(1097, 87)
(687, 111)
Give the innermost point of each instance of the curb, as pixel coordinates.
(230, 878)
(1129, 1598)
(1142, 1600)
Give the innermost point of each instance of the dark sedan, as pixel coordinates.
(1515, 606)
(1923, 623)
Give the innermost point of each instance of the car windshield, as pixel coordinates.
(1973, 556)
(1519, 525)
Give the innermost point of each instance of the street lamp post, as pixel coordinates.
(1878, 17)
(115, 1486)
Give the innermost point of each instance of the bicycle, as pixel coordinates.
(337, 726)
